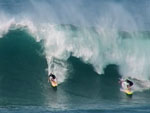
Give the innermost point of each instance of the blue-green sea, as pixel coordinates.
(88, 44)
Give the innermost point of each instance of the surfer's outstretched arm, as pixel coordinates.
(121, 80)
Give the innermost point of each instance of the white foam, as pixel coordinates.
(5, 23)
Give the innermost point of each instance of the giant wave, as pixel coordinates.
(32, 47)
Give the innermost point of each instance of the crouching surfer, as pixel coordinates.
(52, 79)
(126, 86)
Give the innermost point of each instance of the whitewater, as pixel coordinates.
(107, 41)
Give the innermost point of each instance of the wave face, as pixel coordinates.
(86, 49)
(22, 68)
(25, 63)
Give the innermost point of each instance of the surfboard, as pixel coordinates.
(53, 83)
(127, 92)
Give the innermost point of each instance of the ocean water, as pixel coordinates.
(89, 45)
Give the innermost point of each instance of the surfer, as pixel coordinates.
(52, 80)
(127, 84)
(51, 77)
(130, 84)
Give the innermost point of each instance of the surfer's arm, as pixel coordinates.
(121, 80)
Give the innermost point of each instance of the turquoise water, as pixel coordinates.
(24, 86)
(88, 45)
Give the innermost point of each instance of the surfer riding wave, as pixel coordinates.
(52, 79)
(126, 84)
